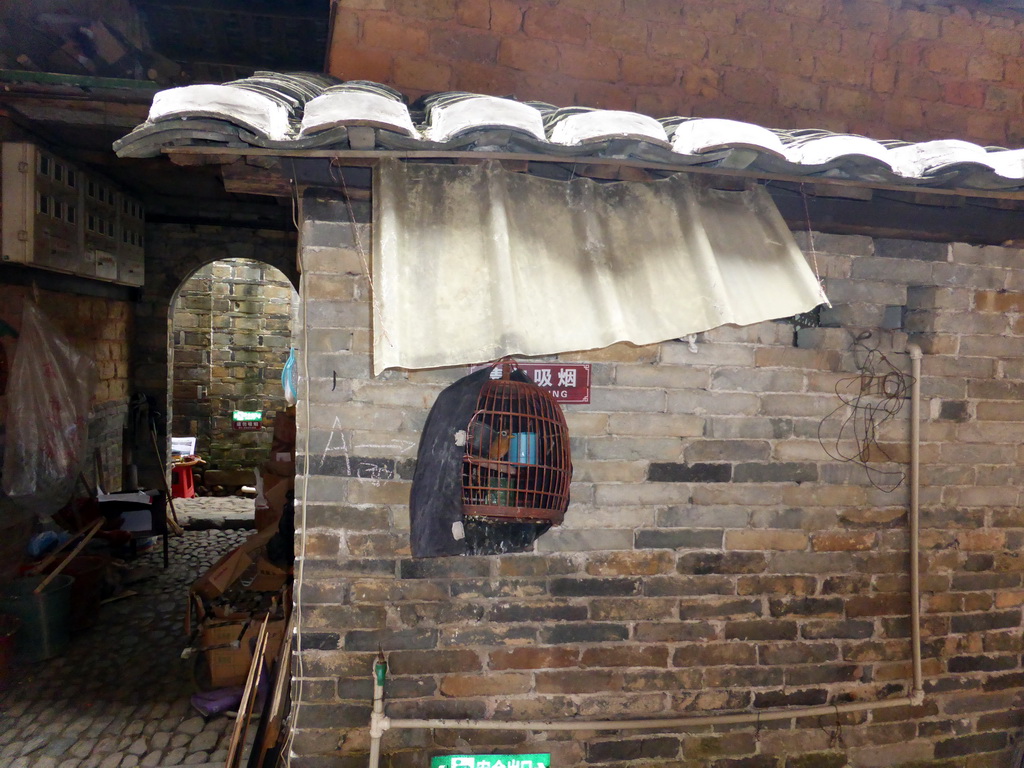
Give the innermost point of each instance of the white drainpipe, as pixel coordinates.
(380, 723)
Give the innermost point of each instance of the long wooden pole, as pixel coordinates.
(92, 531)
(172, 518)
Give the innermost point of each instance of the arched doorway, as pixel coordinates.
(231, 328)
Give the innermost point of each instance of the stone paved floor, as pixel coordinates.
(119, 696)
(203, 512)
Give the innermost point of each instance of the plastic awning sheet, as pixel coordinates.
(471, 263)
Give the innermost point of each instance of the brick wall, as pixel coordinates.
(173, 253)
(714, 556)
(101, 329)
(232, 331)
(882, 69)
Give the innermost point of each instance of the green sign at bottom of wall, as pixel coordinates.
(491, 761)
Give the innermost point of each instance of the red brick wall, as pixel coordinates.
(882, 69)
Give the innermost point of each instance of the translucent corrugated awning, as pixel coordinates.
(472, 263)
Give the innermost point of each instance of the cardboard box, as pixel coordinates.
(276, 492)
(230, 665)
(267, 518)
(279, 467)
(232, 566)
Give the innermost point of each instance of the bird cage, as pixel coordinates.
(516, 467)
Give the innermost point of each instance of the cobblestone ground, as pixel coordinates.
(119, 696)
(203, 512)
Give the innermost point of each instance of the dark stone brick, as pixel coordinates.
(487, 635)
(813, 674)
(445, 567)
(740, 677)
(809, 697)
(454, 612)
(715, 654)
(760, 630)
(569, 587)
(910, 249)
(584, 633)
(674, 632)
(797, 653)
(818, 760)
(326, 691)
(517, 612)
(459, 709)
(321, 641)
(490, 588)
(984, 622)
(662, 746)
(333, 715)
(954, 410)
(971, 745)
(757, 761)
(896, 627)
(702, 563)
(806, 606)
(577, 681)
(679, 538)
(929, 729)
(948, 684)
(981, 663)
(719, 610)
(1004, 682)
(844, 630)
(776, 472)
(433, 662)
(1010, 720)
(610, 751)
(669, 586)
(390, 640)
(407, 687)
(981, 582)
(360, 566)
(353, 688)
(665, 472)
(979, 562)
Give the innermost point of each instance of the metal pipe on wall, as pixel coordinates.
(380, 723)
(915, 519)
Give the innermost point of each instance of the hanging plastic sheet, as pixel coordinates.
(472, 263)
(48, 396)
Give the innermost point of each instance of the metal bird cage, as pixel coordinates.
(517, 466)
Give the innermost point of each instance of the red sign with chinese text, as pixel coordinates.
(566, 382)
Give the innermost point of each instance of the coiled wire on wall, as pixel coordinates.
(869, 399)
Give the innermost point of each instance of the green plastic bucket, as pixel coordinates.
(45, 618)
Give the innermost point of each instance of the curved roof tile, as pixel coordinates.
(296, 111)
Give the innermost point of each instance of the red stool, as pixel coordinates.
(182, 483)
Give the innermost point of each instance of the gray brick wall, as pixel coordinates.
(714, 555)
(173, 254)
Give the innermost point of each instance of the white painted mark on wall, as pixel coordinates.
(375, 473)
(341, 448)
(397, 446)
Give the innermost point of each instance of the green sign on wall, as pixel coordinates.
(491, 761)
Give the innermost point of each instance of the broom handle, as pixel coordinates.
(93, 529)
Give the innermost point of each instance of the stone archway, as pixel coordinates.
(173, 253)
(232, 328)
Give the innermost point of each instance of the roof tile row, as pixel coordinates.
(317, 112)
